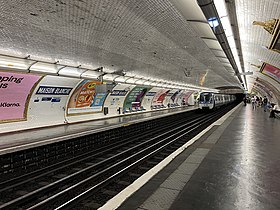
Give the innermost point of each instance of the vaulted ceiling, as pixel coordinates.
(168, 40)
(255, 39)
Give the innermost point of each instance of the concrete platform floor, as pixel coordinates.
(235, 165)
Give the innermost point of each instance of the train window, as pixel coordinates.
(206, 97)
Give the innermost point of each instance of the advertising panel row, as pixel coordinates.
(270, 90)
(89, 98)
(77, 97)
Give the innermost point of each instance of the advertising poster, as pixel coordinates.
(159, 97)
(14, 91)
(85, 98)
(185, 97)
(173, 97)
(271, 71)
(98, 100)
(135, 96)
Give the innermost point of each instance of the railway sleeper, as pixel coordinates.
(132, 174)
(144, 168)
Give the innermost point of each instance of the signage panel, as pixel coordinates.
(49, 90)
(119, 92)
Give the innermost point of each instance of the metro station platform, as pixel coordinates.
(234, 165)
(15, 141)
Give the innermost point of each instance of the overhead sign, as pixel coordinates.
(14, 91)
(213, 22)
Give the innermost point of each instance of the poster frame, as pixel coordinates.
(84, 113)
(262, 69)
(27, 102)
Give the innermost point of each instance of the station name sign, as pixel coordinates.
(118, 92)
(47, 90)
(151, 93)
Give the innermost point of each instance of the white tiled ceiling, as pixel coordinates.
(254, 39)
(147, 38)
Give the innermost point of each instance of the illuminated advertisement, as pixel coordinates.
(173, 97)
(98, 100)
(85, 98)
(271, 71)
(14, 92)
(135, 96)
(185, 97)
(159, 97)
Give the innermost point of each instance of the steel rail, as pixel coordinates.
(79, 158)
(152, 149)
(17, 201)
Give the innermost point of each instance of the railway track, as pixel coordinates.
(88, 180)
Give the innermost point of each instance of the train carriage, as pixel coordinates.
(209, 100)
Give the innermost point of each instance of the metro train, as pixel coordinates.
(208, 100)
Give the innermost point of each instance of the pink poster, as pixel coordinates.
(271, 71)
(159, 97)
(14, 90)
(183, 97)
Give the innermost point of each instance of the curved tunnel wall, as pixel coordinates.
(269, 86)
(34, 100)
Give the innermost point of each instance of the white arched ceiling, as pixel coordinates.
(148, 39)
(255, 39)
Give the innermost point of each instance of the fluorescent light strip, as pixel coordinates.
(222, 11)
(50, 68)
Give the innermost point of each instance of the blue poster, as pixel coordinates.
(99, 99)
